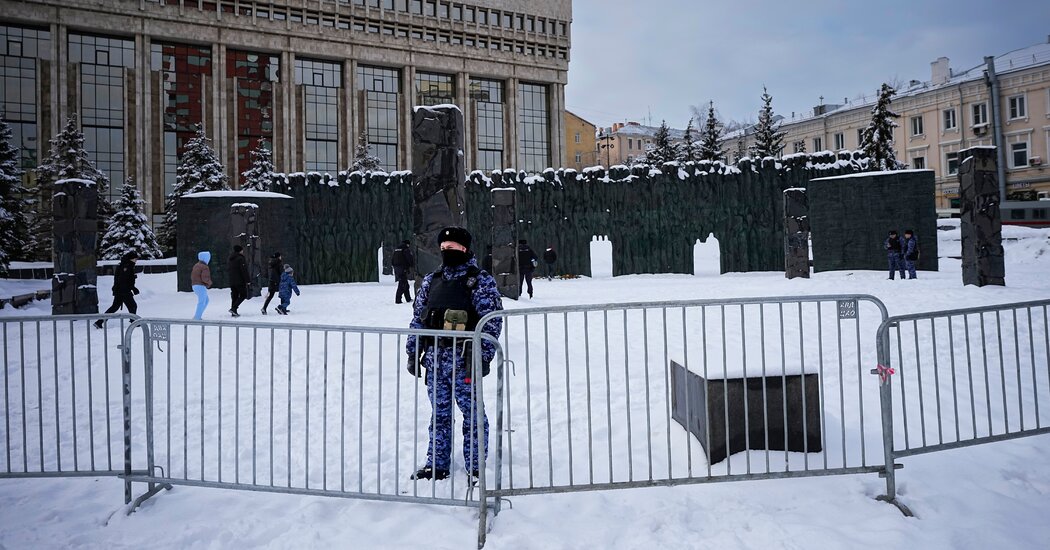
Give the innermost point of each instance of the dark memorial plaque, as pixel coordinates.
(437, 190)
(75, 207)
(701, 404)
(505, 241)
(796, 233)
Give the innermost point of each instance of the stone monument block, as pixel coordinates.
(983, 261)
(714, 411)
(217, 220)
(796, 233)
(245, 232)
(75, 207)
(437, 187)
(504, 241)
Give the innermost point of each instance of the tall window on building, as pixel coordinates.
(435, 89)
(20, 48)
(818, 144)
(254, 76)
(916, 126)
(102, 62)
(840, 141)
(1018, 150)
(951, 162)
(949, 119)
(1017, 107)
(533, 127)
(379, 87)
(182, 69)
(487, 96)
(979, 113)
(321, 82)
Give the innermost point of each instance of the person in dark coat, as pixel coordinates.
(910, 253)
(527, 262)
(238, 273)
(124, 289)
(549, 257)
(402, 262)
(455, 297)
(893, 254)
(276, 268)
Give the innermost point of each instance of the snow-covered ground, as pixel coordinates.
(995, 495)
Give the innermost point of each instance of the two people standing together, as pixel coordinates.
(902, 254)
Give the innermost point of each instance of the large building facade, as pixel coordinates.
(579, 139)
(309, 80)
(951, 112)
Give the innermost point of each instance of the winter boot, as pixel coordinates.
(98, 324)
(428, 472)
(264, 310)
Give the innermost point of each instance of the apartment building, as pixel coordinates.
(306, 78)
(625, 142)
(952, 111)
(580, 142)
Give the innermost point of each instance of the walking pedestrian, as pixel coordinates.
(276, 269)
(124, 289)
(402, 262)
(549, 257)
(527, 262)
(200, 278)
(893, 254)
(910, 252)
(287, 286)
(238, 269)
(455, 297)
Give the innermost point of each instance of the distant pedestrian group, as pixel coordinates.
(902, 253)
(280, 282)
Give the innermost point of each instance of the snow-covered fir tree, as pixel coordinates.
(711, 141)
(129, 229)
(688, 151)
(663, 149)
(877, 139)
(364, 160)
(260, 176)
(198, 170)
(14, 224)
(67, 159)
(769, 140)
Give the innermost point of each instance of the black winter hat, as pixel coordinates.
(129, 256)
(522, 241)
(405, 242)
(237, 248)
(456, 235)
(276, 255)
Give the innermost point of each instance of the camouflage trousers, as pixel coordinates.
(444, 384)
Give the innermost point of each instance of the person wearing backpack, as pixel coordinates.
(910, 252)
(455, 297)
(527, 262)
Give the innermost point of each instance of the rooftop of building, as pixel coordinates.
(636, 129)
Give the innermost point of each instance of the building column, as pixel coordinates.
(289, 113)
(223, 122)
(408, 88)
(510, 125)
(463, 100)
(349, 114)
(143, 179)
(60, 86)
(557, 121)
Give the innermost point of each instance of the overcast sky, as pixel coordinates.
(636, 59)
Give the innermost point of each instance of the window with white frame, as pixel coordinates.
(579, 158)
(577, 137)
(800, 146)
(951, 162)
(630, 144)
(918, 163)
(979, 113)
(860, 137)
(840, 141)
(1019, 150)
(1016, 106)
(949, 119)
(916, 126)
(818, 144)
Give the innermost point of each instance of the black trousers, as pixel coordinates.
(525, 276)
(401, 275)
(127, 299)
(238, 294)
(272, 292)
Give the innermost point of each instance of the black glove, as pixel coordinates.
(413, 365)
(135, 290)
(486, 366)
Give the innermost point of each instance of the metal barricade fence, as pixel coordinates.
(63, 396)
(586, 398)
(303, 409)
(966, 377)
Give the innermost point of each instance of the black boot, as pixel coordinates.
(428, 472)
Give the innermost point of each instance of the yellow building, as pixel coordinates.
(954, 110)
(580, 146)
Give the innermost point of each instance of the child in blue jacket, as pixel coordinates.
(285, 289)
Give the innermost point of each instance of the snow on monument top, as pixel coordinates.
(236, 194)
(866, 174)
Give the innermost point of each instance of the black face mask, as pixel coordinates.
(453, 258)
